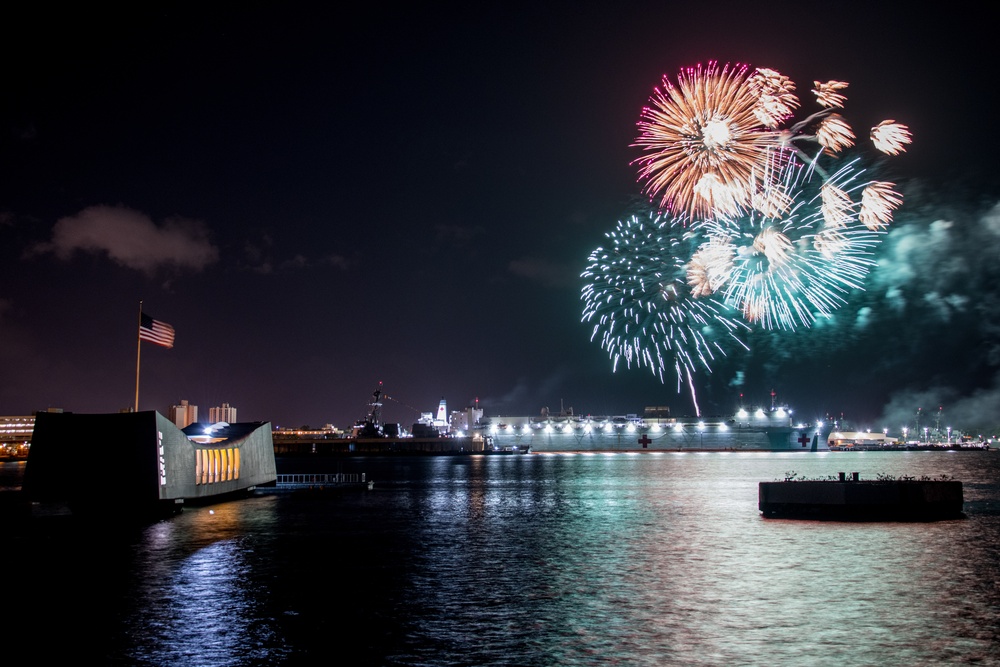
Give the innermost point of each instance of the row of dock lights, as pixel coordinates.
(630, 427)
(780, 413)
(589, 428)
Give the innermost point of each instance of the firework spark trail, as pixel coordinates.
(642, 307)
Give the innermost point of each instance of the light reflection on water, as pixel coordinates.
(647, 559)
(199, 599)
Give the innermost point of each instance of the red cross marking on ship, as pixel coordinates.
(644, 441)
(804, 439)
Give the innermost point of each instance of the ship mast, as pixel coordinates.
(372, 425)
(375, 416)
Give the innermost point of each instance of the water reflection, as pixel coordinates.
(200, 596)
(670, 562)
(648, 559)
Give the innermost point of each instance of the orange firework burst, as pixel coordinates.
(890, 137)
(710, 266)
(834, 134)
(828, 94)
(878, 200)
(837, 205)
(776, 98)
(706, 145)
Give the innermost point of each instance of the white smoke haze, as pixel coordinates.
(939, 408)
(923, 334)
(940, 280)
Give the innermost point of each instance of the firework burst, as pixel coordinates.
(706, 137)
(755, 225)
(785, 271)
(709, 139)
(890, 137)
(776, 99)
(828, 94)
(878, 200)
(644, 311)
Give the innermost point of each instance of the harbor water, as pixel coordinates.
(521, 560)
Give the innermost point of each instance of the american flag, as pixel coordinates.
(156, 331)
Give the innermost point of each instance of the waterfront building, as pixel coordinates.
(224, 413)
(15, 435)
(861, 438)
(184, 414)
(14, 430)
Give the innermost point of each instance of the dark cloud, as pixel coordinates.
(131, 239)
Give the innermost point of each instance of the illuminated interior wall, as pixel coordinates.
(216, 465)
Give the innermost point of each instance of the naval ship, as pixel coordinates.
(749, 429)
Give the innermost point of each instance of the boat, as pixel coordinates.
(371, 426)
(491, 447)
(371, 435)
(758, 429)
(140, 465)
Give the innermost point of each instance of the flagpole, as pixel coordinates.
(138, 333)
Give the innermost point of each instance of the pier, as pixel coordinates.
(386, 446)
(316, 482)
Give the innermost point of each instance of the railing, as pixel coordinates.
(312, 479)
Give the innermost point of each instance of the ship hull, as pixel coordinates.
(764, 433)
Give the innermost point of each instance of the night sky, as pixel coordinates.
(319, 201)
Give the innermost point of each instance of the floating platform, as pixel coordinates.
(853, 499)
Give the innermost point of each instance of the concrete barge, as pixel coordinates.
(849, 498)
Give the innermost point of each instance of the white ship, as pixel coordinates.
(749, 429)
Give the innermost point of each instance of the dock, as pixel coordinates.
(320, 446)
(298, 482)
